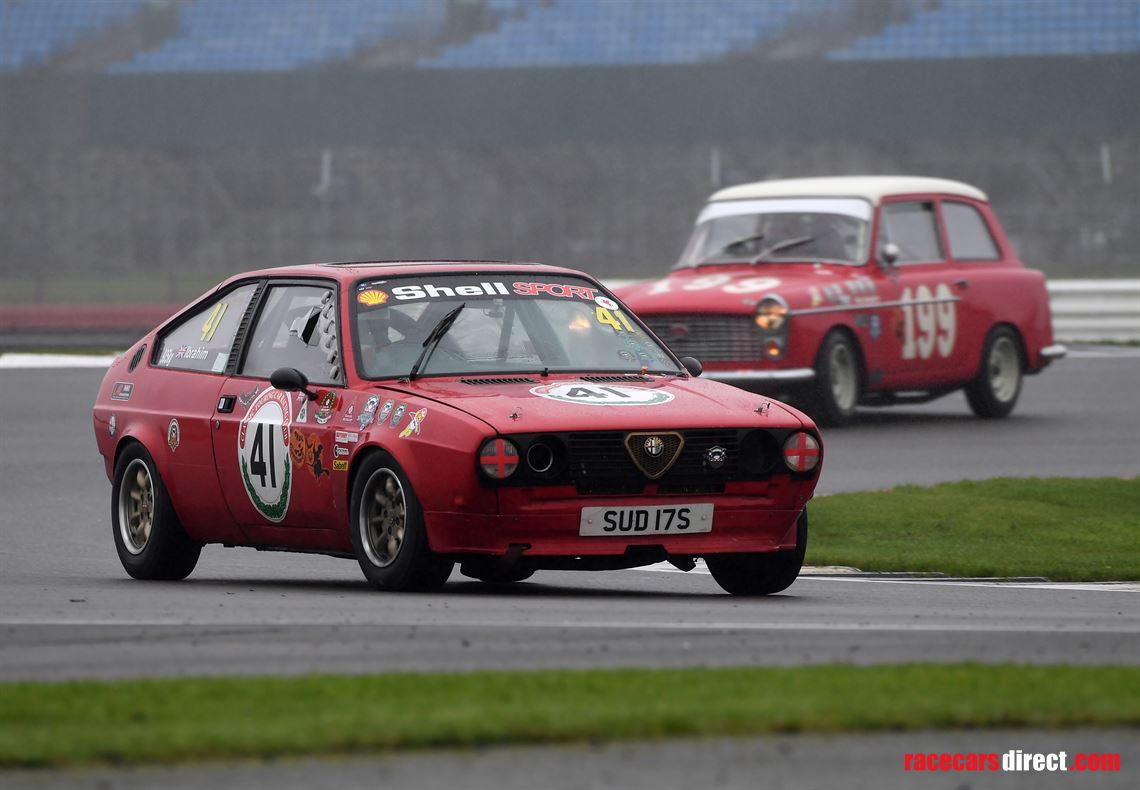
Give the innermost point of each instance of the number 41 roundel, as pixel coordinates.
(263, 453)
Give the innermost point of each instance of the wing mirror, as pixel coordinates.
(889, 253)
(692, 365)
(291, 380)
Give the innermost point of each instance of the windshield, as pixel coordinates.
(510, 323)
(780, 229)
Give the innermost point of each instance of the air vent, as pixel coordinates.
(136, 359)
(616, 379)
(498, 380)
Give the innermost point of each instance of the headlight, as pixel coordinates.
(771, 313)
(801, 452)
(498, 458)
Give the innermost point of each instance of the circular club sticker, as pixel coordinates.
(601, 395)
(263, 453)
(606, 302)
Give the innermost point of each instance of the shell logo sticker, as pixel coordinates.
(586, 394)
(265, 453)
(372, 297)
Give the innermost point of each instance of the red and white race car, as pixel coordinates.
(855, 290)
(509, 417)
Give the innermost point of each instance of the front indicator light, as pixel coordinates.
(801, 452)
(773, 349)
(498, 458)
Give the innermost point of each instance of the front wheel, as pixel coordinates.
(994, 391)
(761, 574)
(388, 530)
(837, 381)
(149, 539)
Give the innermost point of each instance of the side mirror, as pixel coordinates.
(291, 380)
(889, 253)
(692, 365)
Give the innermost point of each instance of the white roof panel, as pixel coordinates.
(873, 188)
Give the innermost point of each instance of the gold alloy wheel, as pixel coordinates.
(136, 506)
(383, 520)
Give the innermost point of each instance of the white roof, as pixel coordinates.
(872, 188)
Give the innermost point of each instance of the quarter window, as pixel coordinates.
(296, 328)
(966, 230)
(203, 341)
(912, 227)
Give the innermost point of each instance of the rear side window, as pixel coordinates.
(966, 230)
(203, 341)
(296, 328)
(912, 227)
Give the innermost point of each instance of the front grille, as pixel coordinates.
(709, 338)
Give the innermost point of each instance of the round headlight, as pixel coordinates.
(498, 458)
(801, 452)
(771, 313)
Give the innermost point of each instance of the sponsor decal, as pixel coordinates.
(876, 327)
(265, 453)
(167, 357)
(368, 413)
(113, 425)
(398, 415)
(340, 452)
(816, 296)
(307, 450)
(606, 302)
(340, 466)
(430, 291)
(385, 410)
(347, 436)
(349, 415)
(564, 290)
(594, 395)
(196, 353)
(173, 435)
(414, 424)
(373, 297)
(327, 403)
(460, 288)
(246, 398)
(303, 412)
(122, 390)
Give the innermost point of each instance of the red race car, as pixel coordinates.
(855, 290)
(509, 417)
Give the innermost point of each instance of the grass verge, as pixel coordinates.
(146, 721)
(1065, 529)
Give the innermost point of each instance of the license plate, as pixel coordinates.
(649, 520)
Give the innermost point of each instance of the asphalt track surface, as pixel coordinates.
(67, 610)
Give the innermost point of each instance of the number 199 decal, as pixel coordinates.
(937, 320)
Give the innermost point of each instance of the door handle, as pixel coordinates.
(226, 404)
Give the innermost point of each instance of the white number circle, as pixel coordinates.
(601, 395)
(263, 453)
(751, 285)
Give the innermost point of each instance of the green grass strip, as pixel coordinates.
(147, 721)
(1064, 529)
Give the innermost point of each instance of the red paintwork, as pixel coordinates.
(463, 514)
(995, 292)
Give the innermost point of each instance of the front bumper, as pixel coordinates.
(761, 377)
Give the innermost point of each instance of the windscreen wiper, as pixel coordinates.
(433, 338)
(780, 246)
(729, 248)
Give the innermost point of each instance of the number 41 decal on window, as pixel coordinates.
(937, 320)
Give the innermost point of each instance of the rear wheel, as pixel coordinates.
(388, 531)
(994, 392)
(837, 385)
(149, 539)
(761, 574)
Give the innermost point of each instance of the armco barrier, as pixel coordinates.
(1083, 310)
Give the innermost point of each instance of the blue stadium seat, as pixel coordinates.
(34, 32)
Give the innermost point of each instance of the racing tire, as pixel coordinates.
(149, 538)
(838, 381)
(388, 533)
(994, 391)
(764, 573)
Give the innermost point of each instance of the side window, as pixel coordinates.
(911, 226)
(297, 328)
(203, 341)
(966, 230)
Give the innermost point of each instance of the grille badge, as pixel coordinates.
(654, 453)
(715, 456)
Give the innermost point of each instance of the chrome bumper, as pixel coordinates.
(789, 376)
(1054, 352)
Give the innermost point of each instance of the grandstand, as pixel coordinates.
(35, 32)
